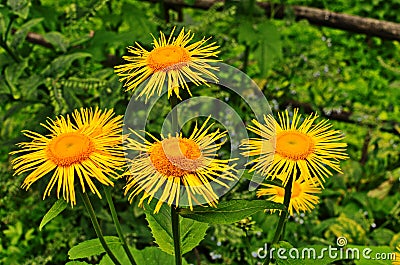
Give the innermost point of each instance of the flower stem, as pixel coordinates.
(173, 101)
(176, 229)
(117, 224)
(176, 233)
(283, 217)
(96, 226)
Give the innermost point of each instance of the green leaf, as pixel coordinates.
(4, 88)
(119, 253)
(58, 40)
(28, 86)
(146, 256)
(92, 247)
(2, 25)
(60, 65)
(161, 228)
(20, 34)
(230, 211)
(247, 34)
(19, 7)
(12, 75)
(76, 263)
(153, 256)
(192, 232)
(270, 46)
(71, 99)
(55, 210)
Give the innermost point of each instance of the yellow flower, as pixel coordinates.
(178, 170)
(302, 199)
(286, 146)
(87, 147)
(173, 61)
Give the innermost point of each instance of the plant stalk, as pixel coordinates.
(117, 224)
(176, 229)
(96, 226)
(176, 233)
(283, 217)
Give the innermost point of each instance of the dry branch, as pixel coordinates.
(372, 27)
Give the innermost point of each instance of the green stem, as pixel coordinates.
(176, 229)
(9, 51)
(246, 58)
(12, 19)
(176, 233)
(283, 217)
(117, 224)
(164, 11)
(173, 100)
(248, 246)
(97, 228)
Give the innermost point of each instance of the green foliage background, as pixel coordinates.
(350, 78)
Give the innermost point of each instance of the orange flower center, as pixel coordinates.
(168, 56)
(175, 156)
(296, 190)
(70, 148)
(294, 145)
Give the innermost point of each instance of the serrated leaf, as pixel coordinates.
(55, 210)
(61, 64)
(119, 253)
(19, 7)
(192, 232)
(230, 211)
(154, 256)
(20, 34)
(92, 247)
(161, 228)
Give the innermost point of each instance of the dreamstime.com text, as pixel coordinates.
(310, 253)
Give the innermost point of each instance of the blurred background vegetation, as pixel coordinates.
(59, 55)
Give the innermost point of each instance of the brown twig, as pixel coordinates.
(364, 149)
(36, 38)
(343, 116)
(197, 254)
(372, 27)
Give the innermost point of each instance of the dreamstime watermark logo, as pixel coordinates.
(341, 241)
(316, 253)
(140, 113)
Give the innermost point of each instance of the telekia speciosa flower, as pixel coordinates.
(85, 148)
(293, 144)
(177, 169)
(172, 63)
